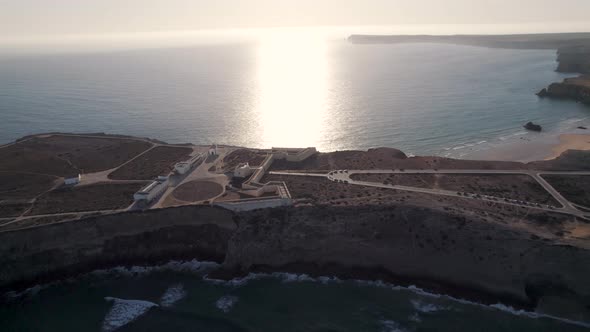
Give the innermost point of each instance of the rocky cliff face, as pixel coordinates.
(478, 255)
(464, 256)
(45, 253)
(577, 89)
(574, 59)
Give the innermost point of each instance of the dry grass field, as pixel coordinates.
(156, 162)
(65, 155)
(575, 188)
(102, 196)
(197, 191)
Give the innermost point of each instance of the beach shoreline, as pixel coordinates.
(535, 148)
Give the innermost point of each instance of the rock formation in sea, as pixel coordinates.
(533, 127)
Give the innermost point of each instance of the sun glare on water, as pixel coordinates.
(293, 89)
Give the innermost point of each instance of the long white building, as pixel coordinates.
(185, 166)
(152, 191)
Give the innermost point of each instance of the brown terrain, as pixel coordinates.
(512, 186)
(62, 155)
(576, 188)
(158, 161)
(236, 157)
(196, 191)
(387, 158)
(14, 185)
(101, 196)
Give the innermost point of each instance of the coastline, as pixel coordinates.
(539, 147)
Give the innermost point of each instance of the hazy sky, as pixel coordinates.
(54, 17)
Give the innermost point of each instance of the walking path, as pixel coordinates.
(567, 207)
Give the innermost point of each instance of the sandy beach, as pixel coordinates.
(570, 142)
(531, 148)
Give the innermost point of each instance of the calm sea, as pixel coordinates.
(290, 91)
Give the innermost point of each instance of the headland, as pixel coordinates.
(490, 231)
(573, 54)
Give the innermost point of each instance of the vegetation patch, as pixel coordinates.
(156, 162)
(96, 197)
(575, 188)
(62, 155)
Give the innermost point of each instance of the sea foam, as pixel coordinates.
(172, 295)
(226, 303)
(124, 312)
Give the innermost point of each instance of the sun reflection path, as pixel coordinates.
(293, 89)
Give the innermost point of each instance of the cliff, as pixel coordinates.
(577, 89)
(50, 252)
(474, 255)
(435, 249)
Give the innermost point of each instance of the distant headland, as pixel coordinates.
(573, 54)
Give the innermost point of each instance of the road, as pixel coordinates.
(567, 206)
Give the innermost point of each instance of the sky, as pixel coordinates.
(26, 18)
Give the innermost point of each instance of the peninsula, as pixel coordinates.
(488, 231)
(573, 54)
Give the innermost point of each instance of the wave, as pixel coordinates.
(172, 295)
(192, 266)
(124, 312)
(226, 303)
(291, 277)
(195, 266)
(391, 326)
(427, 307)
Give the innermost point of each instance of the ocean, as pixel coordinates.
(291, 90)
(179, 297)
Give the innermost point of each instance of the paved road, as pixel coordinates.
(568, 207)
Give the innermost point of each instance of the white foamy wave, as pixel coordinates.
(32, 291)
(391, 326)
(226, 303)
(412, 288)
(535, 315)
(285, 277)
(124, 312)
(172, 295)
(292, 277)
(193, 266)
(427, 307)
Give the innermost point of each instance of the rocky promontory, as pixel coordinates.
(577, 88)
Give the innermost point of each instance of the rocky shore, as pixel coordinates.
(577, 89)
(437, 249)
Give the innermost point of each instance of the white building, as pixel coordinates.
(213, 150)
(152, 191)
(185, 166)
(73, 180)
(243, 171)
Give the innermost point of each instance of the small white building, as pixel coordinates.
(243, 171)
(152, 191)
(73, 180)
(213, 150)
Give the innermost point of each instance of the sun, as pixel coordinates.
(293, 88)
